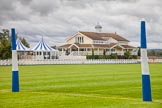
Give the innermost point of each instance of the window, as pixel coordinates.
(76, 41)
(98, 42)
(107, 49)
(88, 49)
(79, 39)
(113, 50)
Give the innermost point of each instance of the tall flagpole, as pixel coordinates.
(146, 86)
(15, 73)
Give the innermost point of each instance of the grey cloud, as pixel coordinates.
(11, 10)
(6, 5)
(5, 9)
(59, 19)
(44, 7)
(25, 2)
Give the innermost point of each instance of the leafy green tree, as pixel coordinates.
(5, 45)
(104, 52)
(139, 51)
(6, 34)
(92, 53)
(127, 55)
(23, 40)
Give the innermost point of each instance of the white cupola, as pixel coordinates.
(98, 28)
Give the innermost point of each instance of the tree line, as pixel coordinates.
(5, 44)
(155, 52)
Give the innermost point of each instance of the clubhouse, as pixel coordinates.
(86, 43)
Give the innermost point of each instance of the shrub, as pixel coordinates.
(134, 57)
(113, 56)
(127, 55)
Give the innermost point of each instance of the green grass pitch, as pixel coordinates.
(80, 86)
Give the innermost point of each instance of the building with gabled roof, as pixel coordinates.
(82, 43)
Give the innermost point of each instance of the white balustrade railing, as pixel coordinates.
(78, 61)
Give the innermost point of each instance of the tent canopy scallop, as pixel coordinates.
(42, 46)
(20, 46)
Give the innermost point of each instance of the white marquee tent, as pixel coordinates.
(22, 50)
(43, 51)
(20, 46)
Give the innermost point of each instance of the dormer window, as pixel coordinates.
(79, 39)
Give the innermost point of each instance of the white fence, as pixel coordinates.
(98, 61)
(72, 57)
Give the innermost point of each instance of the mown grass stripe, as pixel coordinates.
(85, 86)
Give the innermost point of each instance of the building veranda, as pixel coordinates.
(86, 43)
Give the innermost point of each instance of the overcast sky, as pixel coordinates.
(56, 20)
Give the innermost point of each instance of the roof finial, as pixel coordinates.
(98, 27)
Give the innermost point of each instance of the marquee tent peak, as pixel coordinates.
(20, 46)
(42, 46)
